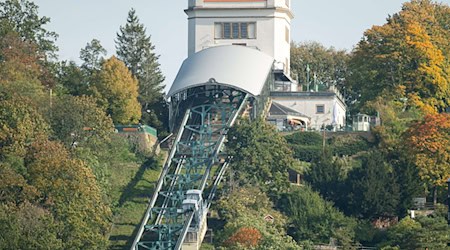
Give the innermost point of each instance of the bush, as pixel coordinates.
(305, 138)
(348, 145)
(306, 153)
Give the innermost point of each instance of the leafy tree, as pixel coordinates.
(421, 233)
(68, 189)
(395, 117)
(72, 79)
(246, 237)
(327, 64)
(315, 219)
(92, 56)
(20, 124)
(14, 187)
(406, 56)
(427, 141)
(118, 89)
(76, 80)
(28, 226)
(77, 121)
(19, 60)
(136, 50)
(373, 188)
(244, 209)
(260, 155)
(22, 17)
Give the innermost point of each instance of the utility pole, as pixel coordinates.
(323, 141)
(307, 77)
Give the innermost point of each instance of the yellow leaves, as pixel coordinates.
(20, 124)
(119, 88)
(409, 50)
(69, 188)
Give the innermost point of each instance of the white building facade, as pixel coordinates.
(261, 24)
(264, 25)
(325, 108)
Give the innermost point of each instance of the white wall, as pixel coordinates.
(272, 18)
(307, 106)
(225, 3)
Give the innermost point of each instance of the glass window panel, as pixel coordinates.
(244, 30)
(235, 30)
(227, 30)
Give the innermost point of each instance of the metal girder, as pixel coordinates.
(194, 153)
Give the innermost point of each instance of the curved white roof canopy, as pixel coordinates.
(236, 66)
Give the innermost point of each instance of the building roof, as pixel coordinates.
(278, 109)
(236, 66)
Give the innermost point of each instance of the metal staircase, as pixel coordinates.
(190, 176)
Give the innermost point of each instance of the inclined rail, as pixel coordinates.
(193, 155)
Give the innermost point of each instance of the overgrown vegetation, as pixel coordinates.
(66, 177)
(68, 182)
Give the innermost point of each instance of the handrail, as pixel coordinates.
(160, 183)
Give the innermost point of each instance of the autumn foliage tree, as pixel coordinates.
(406, 57)
(428, 142)
(247, 237)
(68, 188)
(19, 60)
(118, 90)
(20, 124)
(59, 192)
(244, 210)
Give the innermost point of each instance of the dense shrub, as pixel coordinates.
(306, 153)
(305, 138)
(348, 145)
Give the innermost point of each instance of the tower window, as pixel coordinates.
(226, 30)
(235, 30)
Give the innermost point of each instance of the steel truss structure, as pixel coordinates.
(195, 162)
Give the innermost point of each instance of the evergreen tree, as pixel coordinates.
(327, 176)
(136, 50)
(374, 191)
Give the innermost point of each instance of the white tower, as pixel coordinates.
(261, 24)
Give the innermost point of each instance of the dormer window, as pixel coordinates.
(235, 30)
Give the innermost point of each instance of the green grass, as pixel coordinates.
(132, 187)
